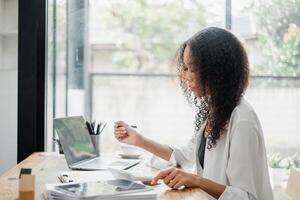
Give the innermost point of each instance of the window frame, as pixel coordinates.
(31, 77)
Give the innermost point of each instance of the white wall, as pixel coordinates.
(8, 119)
(10, 13)
(8, 83)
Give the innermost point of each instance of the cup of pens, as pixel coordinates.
(95, 130)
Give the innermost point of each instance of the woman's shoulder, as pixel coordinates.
(243, 112)
(244, 118)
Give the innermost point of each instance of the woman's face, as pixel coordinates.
(190, 73)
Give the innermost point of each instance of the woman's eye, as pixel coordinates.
(189, 69)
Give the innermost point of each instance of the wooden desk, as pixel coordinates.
(46, 167)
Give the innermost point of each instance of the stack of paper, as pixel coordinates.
(101, 190)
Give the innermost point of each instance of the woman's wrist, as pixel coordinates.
(199, 181)
(140, 140)
(213, 188)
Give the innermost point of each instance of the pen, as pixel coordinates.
(98, 127)
(102, 128)
(93, 126)
(132, 126)
(132, 165)
(89, 128)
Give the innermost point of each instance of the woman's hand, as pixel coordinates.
(125, 134)
(176, 178)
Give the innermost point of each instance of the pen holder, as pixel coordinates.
(96, 142)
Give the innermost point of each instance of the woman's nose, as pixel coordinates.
(188, 76)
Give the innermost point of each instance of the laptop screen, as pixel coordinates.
(75, 139)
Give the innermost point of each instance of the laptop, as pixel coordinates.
(79, 151)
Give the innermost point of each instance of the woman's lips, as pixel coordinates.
(192, 88)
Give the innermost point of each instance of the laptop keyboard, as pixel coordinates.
(95, 163)
(98, 163)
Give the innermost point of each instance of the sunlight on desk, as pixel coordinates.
(47, 166)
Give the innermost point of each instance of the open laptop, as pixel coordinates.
(79, 150)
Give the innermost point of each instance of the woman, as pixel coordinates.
(228, 147)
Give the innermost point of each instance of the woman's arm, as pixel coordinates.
(223, 192)
(176, 178)
(128, 135)
(212, 188)
(160, 150)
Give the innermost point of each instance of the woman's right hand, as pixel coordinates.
(125, 134)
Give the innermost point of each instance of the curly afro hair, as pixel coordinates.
(222, 64)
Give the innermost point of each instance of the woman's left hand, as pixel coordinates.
(176, 178)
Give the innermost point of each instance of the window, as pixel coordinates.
(110, 60)
(272, 42)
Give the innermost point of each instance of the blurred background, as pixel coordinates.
(112, 60)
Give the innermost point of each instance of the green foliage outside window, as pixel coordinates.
(147, 33)
(279, 36)
(278, 160)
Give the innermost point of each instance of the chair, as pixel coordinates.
(293, 185)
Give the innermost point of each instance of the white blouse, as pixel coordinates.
(238, 160)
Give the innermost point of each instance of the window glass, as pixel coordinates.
(272, 41)
(112, 60)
